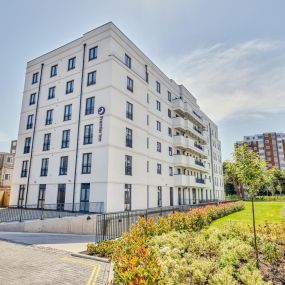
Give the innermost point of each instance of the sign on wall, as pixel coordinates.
(101, 112)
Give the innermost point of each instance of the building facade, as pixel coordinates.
(270, 146)
(100, 123)
(6, 173)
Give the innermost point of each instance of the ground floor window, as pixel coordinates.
(194, 196)
(84, 197)
(61, 196)
(21, 196)
(179, 196)
(128, 197)
(41, 197)
(159, 196)
(171, 196)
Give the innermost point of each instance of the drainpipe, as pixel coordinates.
(78, 126)
(33, 136)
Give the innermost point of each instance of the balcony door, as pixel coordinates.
(84, 197)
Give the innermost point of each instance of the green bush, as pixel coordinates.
(272, 253)
(103, 249)
(270, 198)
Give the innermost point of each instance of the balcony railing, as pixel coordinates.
(198, 146)
(201, 163)
(200, 180)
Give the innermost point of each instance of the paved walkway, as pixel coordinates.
(33, 264)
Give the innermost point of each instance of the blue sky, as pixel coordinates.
(228, 53)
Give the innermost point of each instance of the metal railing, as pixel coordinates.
(35, 212)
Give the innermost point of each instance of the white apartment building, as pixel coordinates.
(102, 124)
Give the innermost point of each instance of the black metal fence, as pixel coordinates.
(47, 211)
(113, 225)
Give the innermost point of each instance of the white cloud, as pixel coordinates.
(245, 80)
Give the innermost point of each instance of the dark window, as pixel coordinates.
(46, 144)
(86, 163)
(128, 61)
(170, 132)
(91, 78)
(30, 122)
(147, 98)
(53, 70)
(51, 92)
(84, 197)
(44, 168)
(24, 171)
(65, 139)
(93, 53)
(49, 117)
(63, 165)
(128, 165)
(71, 63)
(147, 142)
(171, 195)
(158, 168)
(158, 126)
(129, 137)
(158, 106)
(33, 98)
(179, 197)
(158, 146)
(147, 120)
(61, 196)
(35, 78)
(157, 86)
(129, 110)
(169, 113)
(170, 171)
(128, 197)
(67, 112)
(88, 134)
(169, 96)
(41, 197)
(147, 166)
(69, 86)
(170, 151)
(27, 146)
(21, 196)
(90, 105)
(159, 196)
(130, 84)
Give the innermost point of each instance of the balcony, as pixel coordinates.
(188, 161)
(190, 181)
(188, 143)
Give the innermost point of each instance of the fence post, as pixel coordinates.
(146, 214)
(128, 225)
(42, 211)
(104, 226)
(21, 210)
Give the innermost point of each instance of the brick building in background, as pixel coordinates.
(270, 146)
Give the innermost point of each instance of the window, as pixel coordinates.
(44, 168)
(67, 112)
(53, 70)
(128, 61)
(7, 176)
(27, 146)
(129, 137)
(60, 197)
(147, 120)
(128, 165)
(128, 197)
(86, 163)
(147, 142)
(65, 139)
(170, 171)
(158, 146)
(158, 106)
(88, 134)
(170, 151)
(147, 166)
(46, 144)
(180, 197)
(35, 78)
(21, 196)
(157, 86)
(84, 197)
(169, 96)
(51, 92)
(91, 78)
(30, 122)
(49, 117)
(69, 87)
(24, 171)
(170, 132)
(158, 126)
(93, 53)
(158, 168)
(33, 98)
(71, 63)
(169, 113)
(41, 197)
(89, 107)
(129, 110)
(130, 84)
(63, 165)
(171, 195)
(159, 196)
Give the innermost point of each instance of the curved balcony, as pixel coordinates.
(186, 125)
(188, 161)
(190, 181)
(188, 143)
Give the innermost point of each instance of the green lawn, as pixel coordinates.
(264, 211)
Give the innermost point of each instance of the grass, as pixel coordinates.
(264, 211)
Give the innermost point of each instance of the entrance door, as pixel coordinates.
(84, 197)
(61, 197)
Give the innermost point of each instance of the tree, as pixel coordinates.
(275, 180)
(251, 172)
